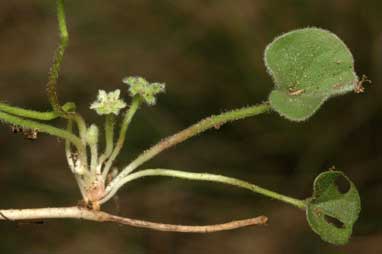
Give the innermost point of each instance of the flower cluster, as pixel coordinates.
(108, 103)
(147, 91)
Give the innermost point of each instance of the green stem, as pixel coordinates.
(55, 71)
(122, 134)
(109, 138)
(92, 141)
(82, 129)
(62, 20)
(43, 128)
(112, 189)
(81, 124)
(68, 150)
(94, 158)
(214, 121)
(58, 57)
(109, 134)
(71, 162)
(37, 115)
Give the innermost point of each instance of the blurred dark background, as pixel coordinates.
(210, 54)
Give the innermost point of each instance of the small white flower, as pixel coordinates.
(108, 103)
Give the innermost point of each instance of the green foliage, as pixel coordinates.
(330, 213)
(308, 66)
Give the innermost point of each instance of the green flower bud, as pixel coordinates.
(92, 135)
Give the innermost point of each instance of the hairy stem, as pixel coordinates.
(57, 60)
(214, 121)
(91, 215)
(112, 189)
(37, 115)
(122, 134)
(55, 71)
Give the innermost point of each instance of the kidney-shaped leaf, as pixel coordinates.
(331, 213)
(308, 66)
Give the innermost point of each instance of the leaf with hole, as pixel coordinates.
(308, 66)
(332, 211)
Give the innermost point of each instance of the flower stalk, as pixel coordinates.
(109, 139)
(122, 134)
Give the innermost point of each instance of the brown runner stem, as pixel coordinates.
(99, 216)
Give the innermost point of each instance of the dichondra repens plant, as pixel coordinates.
(308, 66)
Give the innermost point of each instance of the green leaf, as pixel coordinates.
(308, 66)
(330, 213)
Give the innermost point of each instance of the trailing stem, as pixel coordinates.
(75, 212)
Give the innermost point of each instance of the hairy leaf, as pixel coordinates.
(308, 66)
(331, 213)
